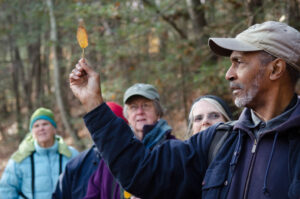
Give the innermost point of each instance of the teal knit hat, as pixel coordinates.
(42, 114)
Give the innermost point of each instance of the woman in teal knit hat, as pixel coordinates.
(43, 127)
(33, 170)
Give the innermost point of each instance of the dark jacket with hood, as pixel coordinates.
(242, 168)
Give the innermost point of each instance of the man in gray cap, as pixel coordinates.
(259, 154)
(143, 111)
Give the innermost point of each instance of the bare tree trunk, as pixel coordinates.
(254, 10)
(53, 38)
(25, 82)
(16, 82)
(20, 77)
(184, 90)
(171, 22)
(3, 113)
(293, 13)
(197, 15)
(46, 71)
(36, 75)
(4, 107)
(2, 132)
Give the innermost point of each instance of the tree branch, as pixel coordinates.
(166, 18)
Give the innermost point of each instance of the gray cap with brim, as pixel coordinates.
(225, 46)
(276, 38)
(145, 90)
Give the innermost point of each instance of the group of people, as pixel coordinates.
(257, 156)
(135, 155)
(44, 166)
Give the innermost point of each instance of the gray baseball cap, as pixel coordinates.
(146, 90)
(276, 38)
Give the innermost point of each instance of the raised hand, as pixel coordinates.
(85, 85)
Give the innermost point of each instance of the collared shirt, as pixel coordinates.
(261, 127)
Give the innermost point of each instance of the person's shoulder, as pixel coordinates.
(205, 137)
(80, 158)
(11, 163)
(210, 131)
(226, 126)
(13, 168)
(221, 127)
(73, 151)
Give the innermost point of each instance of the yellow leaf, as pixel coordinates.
(82, 36)
(126, 194)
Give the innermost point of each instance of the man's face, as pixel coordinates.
(246, 76)
(43, 131)
(141, 111)
(205, 114)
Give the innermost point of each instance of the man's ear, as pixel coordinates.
(278, 68)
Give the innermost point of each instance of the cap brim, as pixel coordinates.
(145, 95)
(225, 46)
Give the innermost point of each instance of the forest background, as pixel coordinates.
(161, 42)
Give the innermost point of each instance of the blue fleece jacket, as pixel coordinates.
(179, 169)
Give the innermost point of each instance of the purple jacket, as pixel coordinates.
(103, 185)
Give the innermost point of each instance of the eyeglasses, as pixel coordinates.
(144, 106)
(210, 116)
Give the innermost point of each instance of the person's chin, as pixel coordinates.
(241, 101)
(140, 127)
(141, 123)
(43, 140)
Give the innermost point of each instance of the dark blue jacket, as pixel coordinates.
(73, 182)
(179, 169)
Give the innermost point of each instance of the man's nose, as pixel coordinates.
(230, 74)
(140, 110)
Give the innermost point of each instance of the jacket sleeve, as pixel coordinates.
(10, 183)
(173, 170)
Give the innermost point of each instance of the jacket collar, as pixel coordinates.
(156, 133)
(288, 119)
(27, 147)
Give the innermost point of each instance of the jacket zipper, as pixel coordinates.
(253, 150)
(254, 146)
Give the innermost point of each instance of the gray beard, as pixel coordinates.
(244, 100)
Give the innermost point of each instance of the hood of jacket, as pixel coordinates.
(27, 147)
